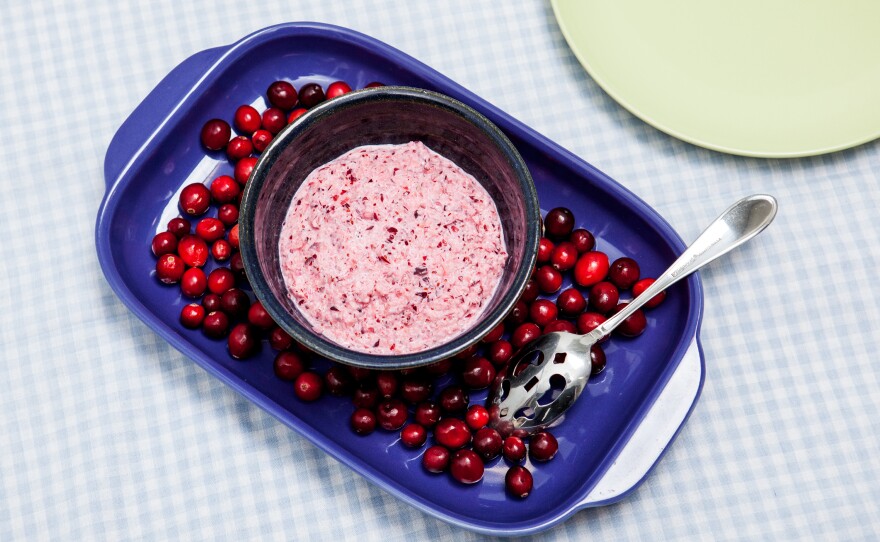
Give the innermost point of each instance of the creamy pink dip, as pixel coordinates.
(391, 249)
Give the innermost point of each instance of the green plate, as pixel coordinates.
(768, 78)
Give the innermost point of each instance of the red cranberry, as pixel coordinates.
(427, 413)
(295, 114)
(258, 316)
(288, 365)
(643, 285)
(413, 435)
(238, 148)
(466, 467)
(337, 88)
(453, 399)
(236, 265)
(366, 395)
(494, 335)
(545, 250)
(244, 341)
(559, 223)
(624, 273)
(634, 325)
(211, 302)
(220, 280)
(392, 414)
(542, 312)
(478, 373)
(514, 449)
(476, 417)
(170, 268)
(308, 386)
(246, 120)
(452, 433)
(583, 240)
(310, 95)
(591, 267)
(262, 138)
(179, 227)
(194, 282)
(530, 292)
(524, 334)
(228, 214)
(216, 324)
(279, 339)
(439, 368)
(192, 315)
(543, 446)
(224, 189)
(499, 352)
(597, 359)
(560, 325)
(195, 199)
(210, 229)
(221, 250)
(363, 421)
(603, 297)
(436, 459)
(215, 133)
(374, 84)
(235, 303)
(274, 120)
(468, 352)
(564, 256)
(193, 250)
(487, 443)
(282, 95)
(243, 169)
(338, 381)
(549, 279)
(589, 321)
(518, 481)
(415, 389)
(164, 243)
(518, 315)
(387, 383)
(571, 302)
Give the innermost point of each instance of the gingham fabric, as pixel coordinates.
(108, 433)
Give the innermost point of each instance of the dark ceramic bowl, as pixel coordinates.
(386, 115)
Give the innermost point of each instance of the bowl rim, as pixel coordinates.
(319, 344)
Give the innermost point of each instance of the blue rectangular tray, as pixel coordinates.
(611, 438)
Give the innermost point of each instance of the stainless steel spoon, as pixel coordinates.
(562, 360)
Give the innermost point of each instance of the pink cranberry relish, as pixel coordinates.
(391, 249)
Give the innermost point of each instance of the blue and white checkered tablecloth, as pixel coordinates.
(108, 433)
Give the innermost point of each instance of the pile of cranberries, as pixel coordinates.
(429, 406)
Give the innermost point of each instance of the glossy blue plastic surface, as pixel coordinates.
(156, 152)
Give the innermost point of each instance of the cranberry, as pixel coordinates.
(518, 315)
(392, 414)
(236, 265)
(295, 114)
(468, 352)
(478, 373)
(227, 214)
(288, 365)
(494, 335)
(282, 95)
(338, 381)
(210, 229)
(436, 459)
(487, 443)
(624, 273)
(246, 120)
(427, 413)
(549, 279)
(591, 267)
(233, 236)
(374, 84)
(220, 280)
(603, 297)
(514, 449)
(643, 285)
(224, 189)
(192, 315)
(387, 383)
(365, 396)
(524, 334)
(179, 227)
(244, 341)
(235, 303)
(337, 88)
(211, 302)
(571, 302)
(221, 250)
(439, 368)
(518, 481)
(310, 95)
(634, 325)
(452, 433)
(170, 268)
(597, 359)
(274, 120)
(164, 243)
(583, 240)
(499, 352)
(363, 421)
(216, 324)
(476, 417)
(194, 282)
(278, 338)
(466, 467)
(564, 256)
(453, 399)
(262, 138)
(243, 169)
(542, 312)
(238, 148)
(308, 386)
(530, 292)
(215, 133)
(413, 435)
(560, 325)
(545, 250)
(415, 389)
(589, 321)
(195, 199)
(193, 250)
(543, 446)
(259, 317)
(559, 222)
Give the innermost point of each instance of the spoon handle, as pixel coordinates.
(740, 222)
